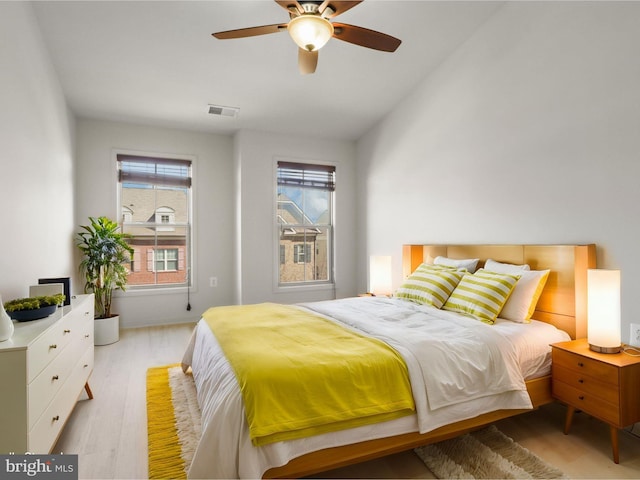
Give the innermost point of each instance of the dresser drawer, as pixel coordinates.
(587, 402)
(46, 430)
(85, 366)
(82, 321)
(44, 387)
(46, 348)
(599, 371)
(587, 384)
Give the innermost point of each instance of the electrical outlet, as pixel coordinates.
(634, 338)
(213, 282)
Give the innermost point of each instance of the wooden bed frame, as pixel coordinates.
(563, 303)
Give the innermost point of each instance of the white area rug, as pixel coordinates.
(187, 412)
(487, 453)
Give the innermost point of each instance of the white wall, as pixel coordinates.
(255, 157)
(37, 161)
(529, 133)
(212, 209)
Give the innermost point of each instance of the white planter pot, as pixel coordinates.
(106, 330)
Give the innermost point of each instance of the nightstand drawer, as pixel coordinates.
(587, 384)
(600, 371)
(589, 403)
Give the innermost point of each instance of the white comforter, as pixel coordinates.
(459, 368)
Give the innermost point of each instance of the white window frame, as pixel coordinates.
(307, 285)
(165, 259)
(190, 260)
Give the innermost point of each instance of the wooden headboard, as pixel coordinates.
(563, 302)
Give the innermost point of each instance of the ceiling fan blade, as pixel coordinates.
(307, 61)
(365, 37)
(251, 31)
(290, 6)
(337, 7)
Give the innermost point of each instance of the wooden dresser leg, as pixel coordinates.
(88, 390)
(614, 443)
(568, 419)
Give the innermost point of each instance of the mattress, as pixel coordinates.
(225, 449)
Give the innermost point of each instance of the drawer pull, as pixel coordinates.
(53, 346)
(86, 336)
(56, 418)
(580, 381)
(86, 313)
(67, 331)
(86, 365)
(581, 397)
(580, 364)
(55, 377)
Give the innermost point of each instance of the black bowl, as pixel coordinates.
(28, 315)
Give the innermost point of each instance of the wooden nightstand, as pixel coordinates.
(605, 386)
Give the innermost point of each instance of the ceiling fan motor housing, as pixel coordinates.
(310, 31)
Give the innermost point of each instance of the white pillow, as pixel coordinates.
(500, 267)
(470, 264)
(523, 299)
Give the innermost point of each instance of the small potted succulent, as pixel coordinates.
(33, 308)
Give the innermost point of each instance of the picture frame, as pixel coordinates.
(65, 281)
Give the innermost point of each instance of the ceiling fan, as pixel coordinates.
(310, 27)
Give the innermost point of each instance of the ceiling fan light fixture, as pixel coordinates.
(310, 32)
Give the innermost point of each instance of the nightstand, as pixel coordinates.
(605, 386)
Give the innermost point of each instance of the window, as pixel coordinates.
(154, 197)
(166, 259)
(305, 222)
(166, 216)
(127, 215)
(302, 253)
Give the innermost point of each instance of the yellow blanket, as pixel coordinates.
(301, 374)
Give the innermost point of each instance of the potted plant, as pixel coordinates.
(105, 252)
(33, 308)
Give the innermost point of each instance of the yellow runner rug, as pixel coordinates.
(173, 421)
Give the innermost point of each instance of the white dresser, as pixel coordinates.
(44, 368)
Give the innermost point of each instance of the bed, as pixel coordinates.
(226, 450)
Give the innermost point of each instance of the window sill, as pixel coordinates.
(153, 290)
(304, 287)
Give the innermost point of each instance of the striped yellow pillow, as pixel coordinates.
(482, 294)
(430, 285)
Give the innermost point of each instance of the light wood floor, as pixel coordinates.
(109, 433)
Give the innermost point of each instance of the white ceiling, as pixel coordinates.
(156, 63)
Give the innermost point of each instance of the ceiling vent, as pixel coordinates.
(223, 111)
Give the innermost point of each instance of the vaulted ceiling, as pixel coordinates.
(156, 63)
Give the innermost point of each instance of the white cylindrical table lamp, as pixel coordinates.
(603, 310)
(380, 275)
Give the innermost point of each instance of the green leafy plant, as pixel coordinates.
(33, 303)
(105, 253)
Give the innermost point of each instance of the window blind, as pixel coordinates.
(307, 175)
(154, 171)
